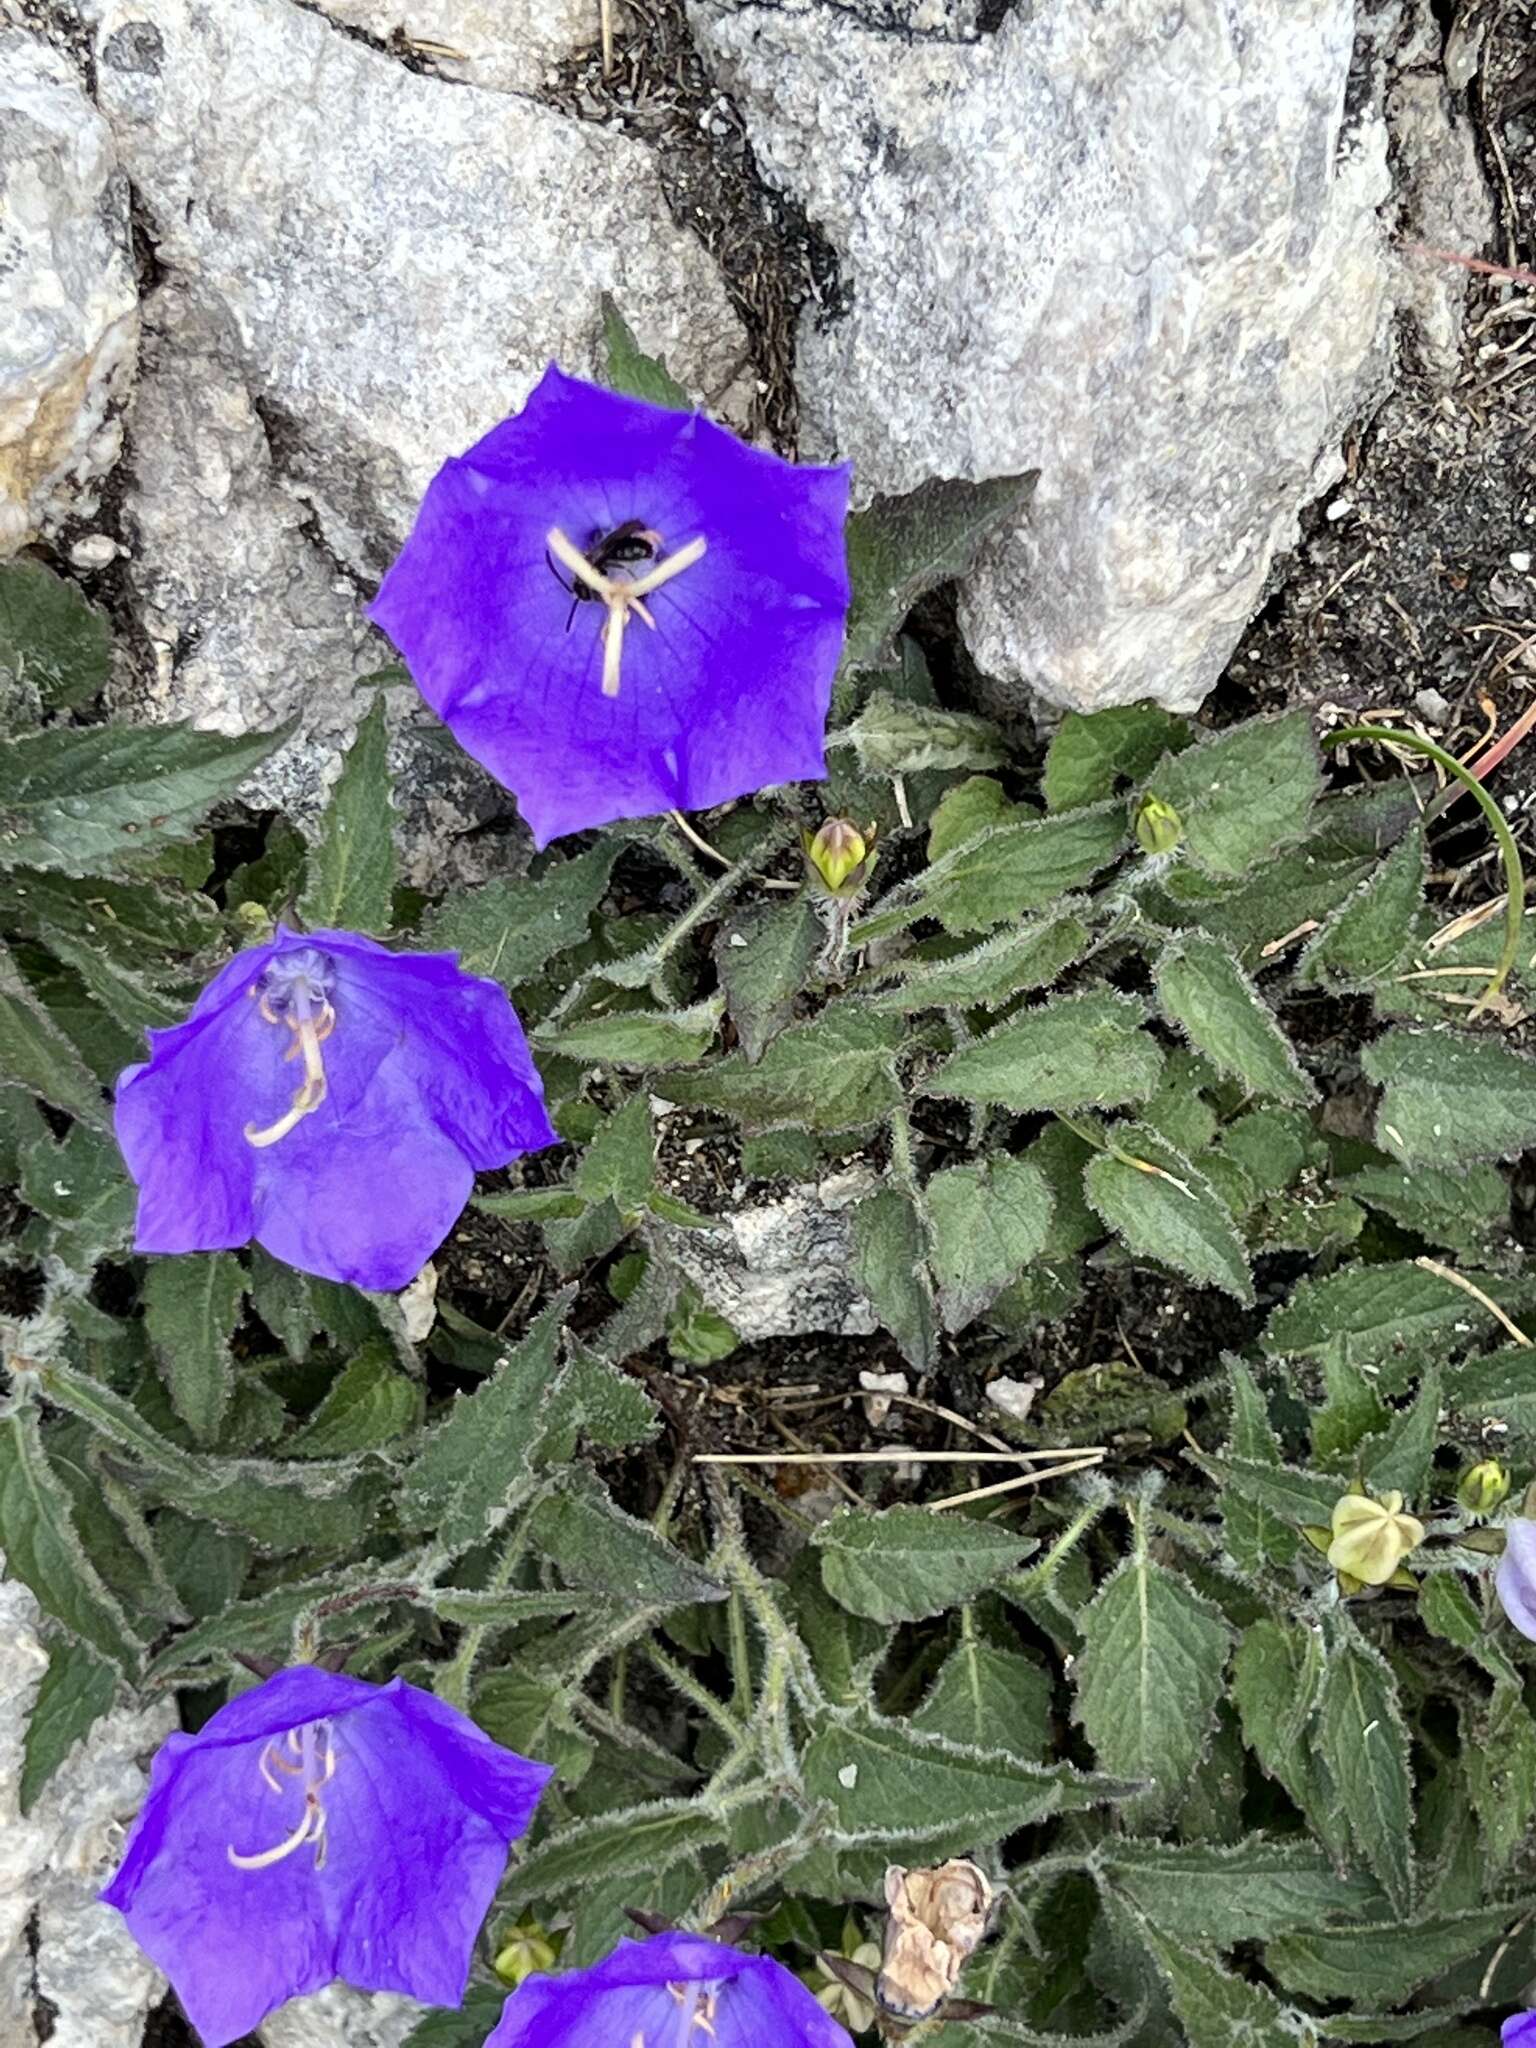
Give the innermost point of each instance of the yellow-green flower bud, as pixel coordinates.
(1372, 1537)
(1158, 826)
(525, 1949)
(840, 855)
(1483, 1487)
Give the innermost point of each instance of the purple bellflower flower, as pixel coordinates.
(334, 1101)
(1519, 2031)
(1516, 1582)
(318, 1827)
(622, 610)
(673, 1991)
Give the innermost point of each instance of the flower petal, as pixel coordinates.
(727, 695)
(1516, 1580)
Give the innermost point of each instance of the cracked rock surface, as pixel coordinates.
(340, 2017)
(87, 1985)
(506, 45)
(68, 307)
(399, 256)
(249, 622)
(1133, 246)
(782, 1269)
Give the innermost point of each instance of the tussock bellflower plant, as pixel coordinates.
(1516, 1580)
(673, 1991)
(332, 1100)
(319, 1827)
(622, 610)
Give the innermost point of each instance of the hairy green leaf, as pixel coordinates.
(1206, 993)
(54, 646)
(1252, 1890)
(907, 1562)
(900, 547)
(988, 1222)
(511, 928)
(1172, 1214)
(35, 1052)
(1030, 956)
(1069, 1054)
(764, 959)
(1150, 1675)
(1371, 930)
(834, 1073)
(73, 798)
(191, 1310)
(1447, 1098)
(1094, 751)
(631, 370)
(886, 1780)
(1244, 794)
(76, 1690)
(350, 876)
(890, 1267)
(43, 1550)
(1216, 2008)
(990, 1698)
(370, 1404)
(1364, 1743)
(893, 736)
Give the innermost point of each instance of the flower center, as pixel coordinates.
(698, 2002)
(313, 1765)
(621, 594)
(295, 991)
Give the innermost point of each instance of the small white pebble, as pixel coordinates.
(848, 1777)
(1339, 509)
(1521, 560)
(737, 939)
(95, 550)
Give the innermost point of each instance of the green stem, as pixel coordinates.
(683, 1681)
(1514, 873)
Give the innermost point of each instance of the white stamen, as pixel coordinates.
(308, 1033)
(674, 565)
(263, 1859)
(316, 1769)
(621, 595)
(613, 642)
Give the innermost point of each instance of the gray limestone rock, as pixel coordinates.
(1135, 247)
(249, 621)
(87, 1977)
(508, 48)
(399, 256)
(68, 303)
(782, 1269)
(339, 2017)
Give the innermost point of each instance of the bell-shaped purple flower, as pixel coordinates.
(1516, 1580)
(673, 1991)
(1519, 2031)
(622, 610)
(319, 1827)
(332, 1100)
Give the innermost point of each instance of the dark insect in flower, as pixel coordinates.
(634, 541)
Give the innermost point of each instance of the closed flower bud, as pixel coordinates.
(524, 1949)
(1159, 828)
(1483, 1487)
(1372, 1537)
(840, 855)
